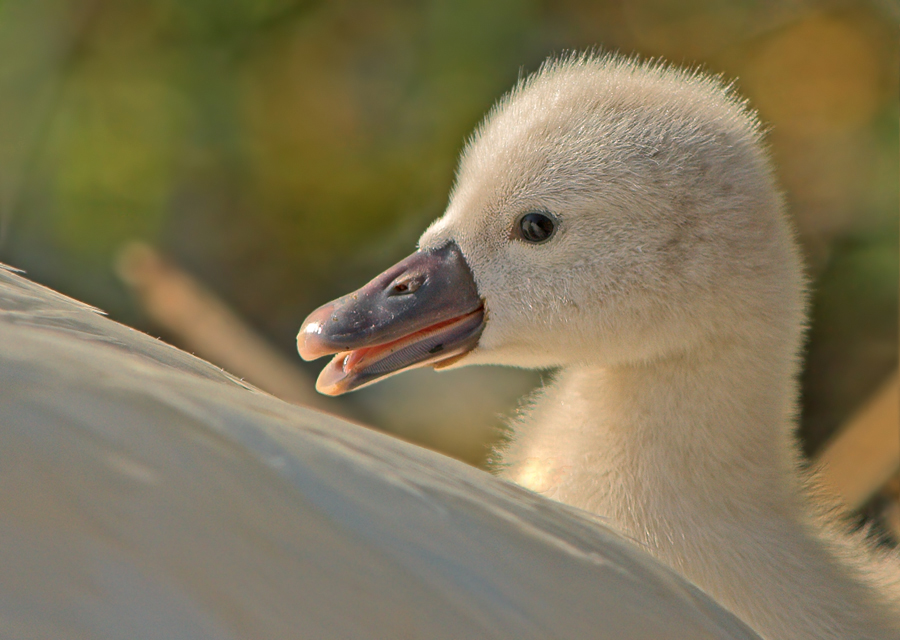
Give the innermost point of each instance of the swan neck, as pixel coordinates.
(695, 459)
(717, 423)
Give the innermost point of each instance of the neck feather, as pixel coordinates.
(690, 431)
(694, 457)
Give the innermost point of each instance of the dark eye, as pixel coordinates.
(536, 227)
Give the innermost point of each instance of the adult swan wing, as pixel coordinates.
(146, 494)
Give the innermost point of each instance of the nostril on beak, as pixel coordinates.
(405, 285)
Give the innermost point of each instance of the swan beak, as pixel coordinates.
(422, 311)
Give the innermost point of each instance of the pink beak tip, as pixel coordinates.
(310, 344)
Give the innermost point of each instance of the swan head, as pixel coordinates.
(606, 212)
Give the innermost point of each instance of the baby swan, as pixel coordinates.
(620, 222)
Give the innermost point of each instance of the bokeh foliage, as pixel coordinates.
(287, 150)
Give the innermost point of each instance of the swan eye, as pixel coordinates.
(535, 227)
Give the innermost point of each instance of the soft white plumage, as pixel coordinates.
(671, 298)
(147, 494)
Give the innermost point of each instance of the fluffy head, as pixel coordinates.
(671, 233)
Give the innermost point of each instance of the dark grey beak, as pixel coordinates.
(422, 311)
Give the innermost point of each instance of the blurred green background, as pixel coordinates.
(284, 152)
